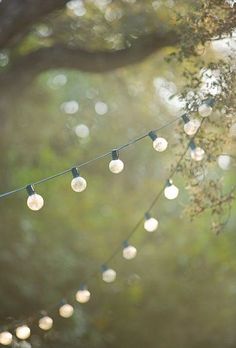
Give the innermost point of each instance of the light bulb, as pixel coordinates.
(205, 109)
(23, 332)
(5, 338)
(78, 184)
(159, 144)
(108, 274)
(150, 224)
(190, 126)
(66, 310)
(45, 323)
(171, 191)
(35, 202)
(129, 251)
(82, 295)
(197, 154)
(116, 165)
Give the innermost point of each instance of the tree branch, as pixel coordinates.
(26, 68)
(16, 16)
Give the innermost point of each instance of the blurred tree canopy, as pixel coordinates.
(78, 78)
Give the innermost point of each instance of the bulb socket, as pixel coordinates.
(104, 268)
(115, 154)
(147, 216)
(82, 286)
(169, 183)
(62, 302)
(125, 244)
(152, 135)
(210, 102)
(185, 118)
(192, 145)
(30, 190)
(75, 172)
(43, 314)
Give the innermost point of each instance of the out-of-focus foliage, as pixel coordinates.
(180, 290)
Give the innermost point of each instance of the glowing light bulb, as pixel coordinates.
(78, 184)
(159, 144)
(83, 295)
(205, 109)
(116, 165)
(66, 310)
(45, 323)
(190, 126)
(108, 274)
(35, 202)
(171, 191)
(197, 153)
(150, 224)
(129, 251)
(5, 338)
(23, 332)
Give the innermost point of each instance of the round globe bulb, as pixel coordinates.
(109, 275)
(66, 310)
(35, 202)
(78, 184)
(129, 252)
(160, 144)
(197, 154)
(45, 323)
(192, 126)
(82, 296)
(171, 192)
(150, 224)
(5, 338)
(23, 332)
(116, 166)
(205, 110)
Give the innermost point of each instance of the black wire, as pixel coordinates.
(120, 148)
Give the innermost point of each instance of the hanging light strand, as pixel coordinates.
(156, 198)
(15, 324)
(86, 163)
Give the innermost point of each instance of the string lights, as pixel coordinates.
(129, 251)
(205, 109)
(150, 223)
(171, 191)
(197, 153)
(83, 294)
(45, 323)
(6, 338)
(159, 144)
(190, 126)
(66, 310)
(23, 332)
(79, 184)
(34, 201)
(116, 165)
(108, 274)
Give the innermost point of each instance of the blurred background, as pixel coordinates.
(180, 290)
